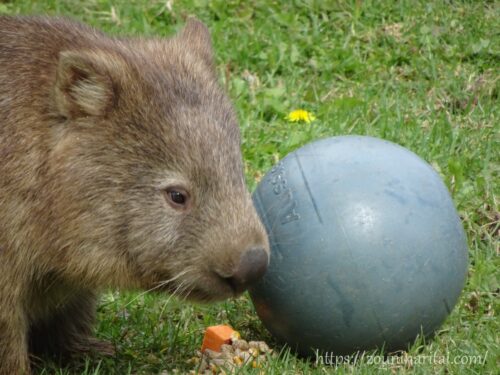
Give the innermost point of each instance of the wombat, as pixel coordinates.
(120, 167)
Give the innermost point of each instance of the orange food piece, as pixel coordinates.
(216, 336)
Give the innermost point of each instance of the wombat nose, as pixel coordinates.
(252, 266)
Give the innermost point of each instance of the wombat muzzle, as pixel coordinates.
(252, 266)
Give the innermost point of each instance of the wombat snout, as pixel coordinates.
(252, 266)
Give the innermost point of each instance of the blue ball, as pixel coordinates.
(367, 249)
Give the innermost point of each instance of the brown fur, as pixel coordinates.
(92, 130)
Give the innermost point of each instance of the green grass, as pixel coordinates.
(422, 74)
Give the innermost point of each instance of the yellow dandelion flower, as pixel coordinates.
(300, 115)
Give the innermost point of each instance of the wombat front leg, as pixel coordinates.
(68, 332)
(14, 358)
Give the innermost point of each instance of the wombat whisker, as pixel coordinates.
(159, 285)
(140, 295)
(181, 285)
(181, 290)
(188, 292)
(178, 290)
(192, 284)
(180, 274)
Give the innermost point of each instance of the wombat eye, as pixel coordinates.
(177, 198)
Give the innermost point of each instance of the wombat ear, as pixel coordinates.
(197, 38)
(84, 85)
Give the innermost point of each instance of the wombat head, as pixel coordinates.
(147, 151)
